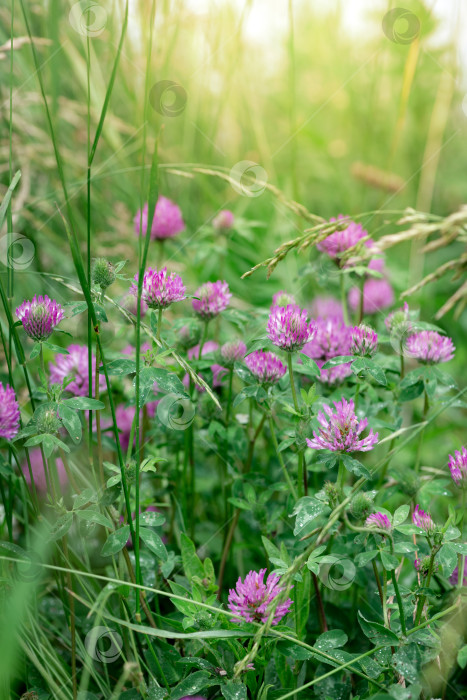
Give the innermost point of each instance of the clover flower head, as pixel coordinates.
(233, 351)
(75, 365)
(224, 220)
(213, 297)
(167, 221)
(379, 520)
(253, 598)
(423, 520)
(340, 430)
(40, 316)
(422, 566)
(288, 327)
(159, 289)
(9, 412)
(458, 466)
(332, 338)
(265, 366)
(340, 241)
(364, 341)
(325, 307)
(377, 294)
(430, 347)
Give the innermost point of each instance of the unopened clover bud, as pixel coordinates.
(103, 273)
(203, 620)
(47, 421)
(361, 506)
(130, 471)
(331, 491)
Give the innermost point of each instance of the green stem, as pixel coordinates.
(401, 347)
(341, 477)
(357, 392)
(203, 339)
(422, 599)
(279, 457)
(345, 309)
(229, 398)
(399, 602)
(159, 323)
(292, 382)
(300, 468)
(426, 407)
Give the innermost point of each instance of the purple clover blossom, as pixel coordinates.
(9, 412)
(265, 366)
(364, 341)
(458, 467)
(340, 241)
(325, 307)
(423, 520)
(377, 294)
(253, 599)
(40, 316)
(378, 520)
(288, 327)
(233, 351)
(340, 430)
(167, 222)
(213, 298)
(159, 289)
(75, 365)
(332, 338)
(283, 299)
(224, 220)
(430, 347)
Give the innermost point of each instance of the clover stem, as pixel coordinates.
(159, 323)
(341, 477)
(301, 472)
(345, 309)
